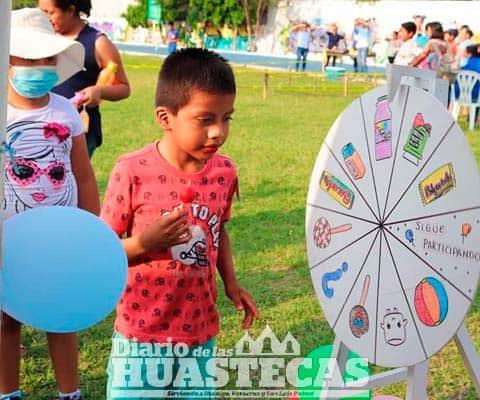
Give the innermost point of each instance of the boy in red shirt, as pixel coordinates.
(170, 202)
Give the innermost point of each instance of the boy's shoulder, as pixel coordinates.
(134, 156)
(223, 164)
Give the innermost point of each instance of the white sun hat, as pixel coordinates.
(32, 37)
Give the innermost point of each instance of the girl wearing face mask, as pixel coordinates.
(66, 17)
(46, 164)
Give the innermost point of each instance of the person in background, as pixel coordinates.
(361, 37)
(352, 51)
(292, 37)
(472, 64)
(464, 40)
(334, 44)
(213, 35)
(303, 39)
(409, 49)
(173, 37)
(394, 43)
(420, 37)
(450, 37)
(67, 18)
(434, 51)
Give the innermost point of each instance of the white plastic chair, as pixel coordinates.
(466, 81)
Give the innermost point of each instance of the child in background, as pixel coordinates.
(450, 36)
(472, 64)
(464, 39)
(393, 46)
(409, 48)
(171, 201)
(434, 51)
(172, 38)
(46, 164)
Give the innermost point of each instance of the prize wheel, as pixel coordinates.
(393, 226)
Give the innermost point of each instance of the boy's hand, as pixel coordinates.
(242, 300)
(167, 231)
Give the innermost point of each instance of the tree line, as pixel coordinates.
(235, 13)
(219, 12)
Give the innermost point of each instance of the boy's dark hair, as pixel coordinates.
(188, 69)
(81, 6)
(469, 32)
(410, 27)
(437, 30)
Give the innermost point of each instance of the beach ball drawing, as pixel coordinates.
(431, 301)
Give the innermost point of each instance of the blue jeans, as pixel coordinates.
(136, 369)
(171, 47)
(302, 53)
(362, 59)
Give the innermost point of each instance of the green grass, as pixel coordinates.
(274, 143)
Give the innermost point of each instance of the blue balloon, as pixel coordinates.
(64, 269)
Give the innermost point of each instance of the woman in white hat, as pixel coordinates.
(46, 164)
(66, 16)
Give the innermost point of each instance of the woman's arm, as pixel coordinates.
(105, 52)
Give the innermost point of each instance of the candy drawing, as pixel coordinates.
(417, 140)
(337, 189)
(383, 129)
(393, 326)
(353, 161)
(466, 229)
(437, 184)
(322, 232)
(358, 318)
(410, 236)
(332, 276)
(431, 301)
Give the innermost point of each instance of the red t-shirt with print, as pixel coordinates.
(170, 294)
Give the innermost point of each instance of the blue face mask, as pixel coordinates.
(34, 82)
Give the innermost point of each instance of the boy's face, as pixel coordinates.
(199, 128)
(404, 35)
